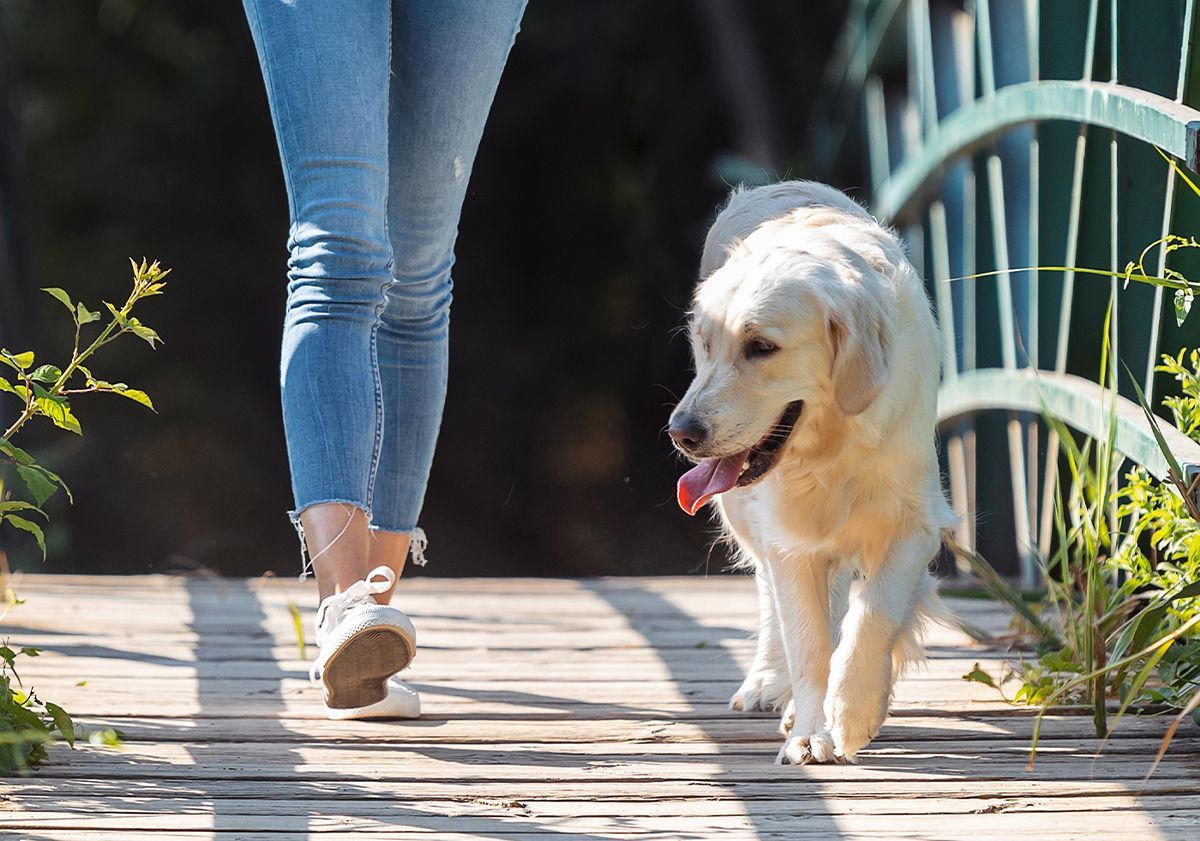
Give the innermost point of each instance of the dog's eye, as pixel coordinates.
(758, 348)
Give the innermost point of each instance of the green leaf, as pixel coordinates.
(137, 397)
(978, 675)
(37, 483)
(14, 452)
(48, 374)
(58, 410)
(1138, 634)
(48, 475)
(20, 361)
(60, 296)
(62, 722)
(142, 331)
(105, 738)
(1183, 305)
(32, 528)
(85, 316)
(18, 505)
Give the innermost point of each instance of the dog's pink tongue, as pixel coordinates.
(707, 479)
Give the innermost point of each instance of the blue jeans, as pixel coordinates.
(378, 107)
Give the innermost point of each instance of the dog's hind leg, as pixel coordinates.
(767, 685)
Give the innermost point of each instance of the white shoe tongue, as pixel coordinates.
(707, 479)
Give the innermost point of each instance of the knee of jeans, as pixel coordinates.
(420, 300)
(349, 247)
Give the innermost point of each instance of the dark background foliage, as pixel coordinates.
(131, 127)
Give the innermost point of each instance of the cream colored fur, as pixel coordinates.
(856, 490)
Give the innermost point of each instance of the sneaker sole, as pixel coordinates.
(356, 674)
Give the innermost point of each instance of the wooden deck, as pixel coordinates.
(553, 709)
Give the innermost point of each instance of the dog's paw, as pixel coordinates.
(763, 689)
(852, 727)
(856, 704)
(806, 750)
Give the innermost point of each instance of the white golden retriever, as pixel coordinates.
(811, 420)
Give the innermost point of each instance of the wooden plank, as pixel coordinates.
(521, 764)
(573, 665)
(114, 696)
(788, 788)
(814, 825)
(732, 727)
(257, 815)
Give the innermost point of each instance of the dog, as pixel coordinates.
(811, 421)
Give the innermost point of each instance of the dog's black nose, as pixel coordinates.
(688, 432)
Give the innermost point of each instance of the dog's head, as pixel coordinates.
(786, 327)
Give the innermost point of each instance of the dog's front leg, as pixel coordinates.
(768, 684)
(801, 588)
(860, 678)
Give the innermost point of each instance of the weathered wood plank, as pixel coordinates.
(811, 825)
(787, 787)
(521, 764)
(748, 727)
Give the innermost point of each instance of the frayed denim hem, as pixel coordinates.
(417, 544)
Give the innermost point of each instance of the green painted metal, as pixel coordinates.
(1148, 117)
(927, 155)
(1185, 52)
(847, 73)
(1078, 402)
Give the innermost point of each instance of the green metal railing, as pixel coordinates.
(989, 140)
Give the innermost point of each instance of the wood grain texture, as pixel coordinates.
(553, 709)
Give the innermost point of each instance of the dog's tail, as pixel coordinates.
(928, 608)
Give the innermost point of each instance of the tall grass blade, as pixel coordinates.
(1154, 428)
(1003, 590)
(1179, 170)
(1170, 734)
(1135, 687)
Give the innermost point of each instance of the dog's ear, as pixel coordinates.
(858, 332)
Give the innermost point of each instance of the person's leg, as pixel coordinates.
(447, 58)
(326, 64)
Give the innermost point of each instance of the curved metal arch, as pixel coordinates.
(1078, 402)
(843, 78)
(1146, 116)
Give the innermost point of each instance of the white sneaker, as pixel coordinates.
(402, 701)
(363, 643)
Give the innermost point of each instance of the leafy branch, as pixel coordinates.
(46, 391)
(27, 723)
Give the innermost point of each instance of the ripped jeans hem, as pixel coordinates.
(416, 546)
